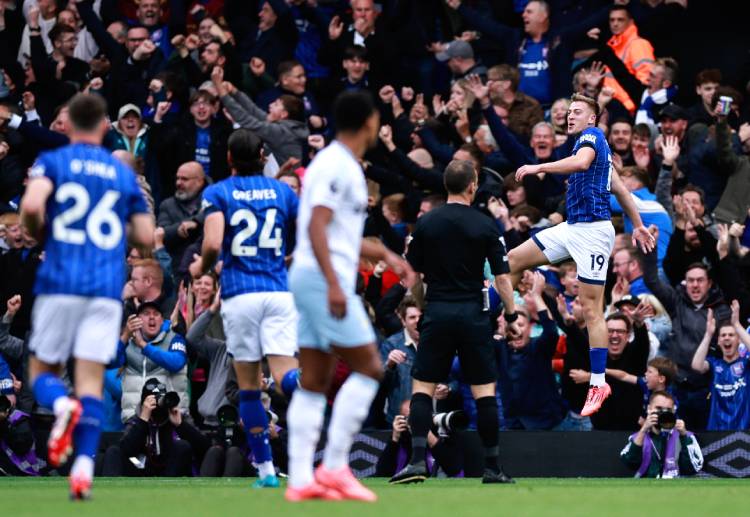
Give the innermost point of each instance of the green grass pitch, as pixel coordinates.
(455, 498)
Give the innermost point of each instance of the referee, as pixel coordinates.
(449, 246)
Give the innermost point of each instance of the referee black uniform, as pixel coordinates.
(449, 246)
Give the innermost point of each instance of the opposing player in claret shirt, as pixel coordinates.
(80, 199)
(588, 235)
(247, 220)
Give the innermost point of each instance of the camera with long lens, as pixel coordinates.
(165, 400)
(665, 419)
(450, 422)
(229, 420)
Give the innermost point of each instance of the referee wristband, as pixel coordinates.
(510, 318)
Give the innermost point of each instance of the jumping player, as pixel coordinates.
(247, 219)
(333, 321)
(87, 196)
(588, 235)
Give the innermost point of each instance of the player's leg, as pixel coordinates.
(307, 408)
(592, 303)
(255, 420)
(278, 336)
(305, 420)
(54, 322)
(590, 245)
(95, 346)
(435, 353)
(243, 318)
(89, 383)
(476, 354)
(543, 248)
(350, 408)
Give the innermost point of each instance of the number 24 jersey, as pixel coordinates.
(93, 196)
(258, 213)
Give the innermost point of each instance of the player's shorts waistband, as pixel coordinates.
(592, 224)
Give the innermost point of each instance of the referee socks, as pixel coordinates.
(488, 429)
(420, 419)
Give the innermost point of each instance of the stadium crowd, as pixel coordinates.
(479, 80)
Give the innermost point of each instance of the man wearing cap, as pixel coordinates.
(459, 57)
(129, 132)
(149, 347)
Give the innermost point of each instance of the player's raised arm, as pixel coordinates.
(34, 202)
(641, 236)
(576, 163)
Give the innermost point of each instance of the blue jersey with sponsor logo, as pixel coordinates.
(730, 403)
(587, 199)
(258, 213)
(94, 196)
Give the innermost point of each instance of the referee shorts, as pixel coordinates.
(448, 329)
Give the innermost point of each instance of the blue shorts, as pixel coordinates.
(317, 328)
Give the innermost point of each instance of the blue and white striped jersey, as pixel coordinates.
(587, 198)
(94, 196)
(258, 213)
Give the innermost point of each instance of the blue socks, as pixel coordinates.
(89, 428)
(598, 357)
(47, 389)
(290, 382)
(254, 416)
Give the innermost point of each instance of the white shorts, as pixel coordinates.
(588, 244)
(260, 324)
(64, 325)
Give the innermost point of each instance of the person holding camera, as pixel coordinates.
(663, 447)
(17, 452)
(442, 454)
(157, 442)
(149, 347)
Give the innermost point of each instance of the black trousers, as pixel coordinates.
(176, 463)
(224, 462)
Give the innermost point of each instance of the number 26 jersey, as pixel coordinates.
(93, 197)
(258, 214)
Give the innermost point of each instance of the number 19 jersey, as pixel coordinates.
(258, 212)
(94, 196)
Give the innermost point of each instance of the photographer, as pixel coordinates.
(663, 447)
(157, 442)
(17, 454)
(443, 453)
(228, 456)
(149, 347)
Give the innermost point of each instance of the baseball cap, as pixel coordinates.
(628, 299)
(458, 48)
(127, 109)
(145, 305)
(673, 111)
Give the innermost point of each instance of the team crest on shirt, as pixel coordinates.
(334, 187)
(738, 369)
(588, 138)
